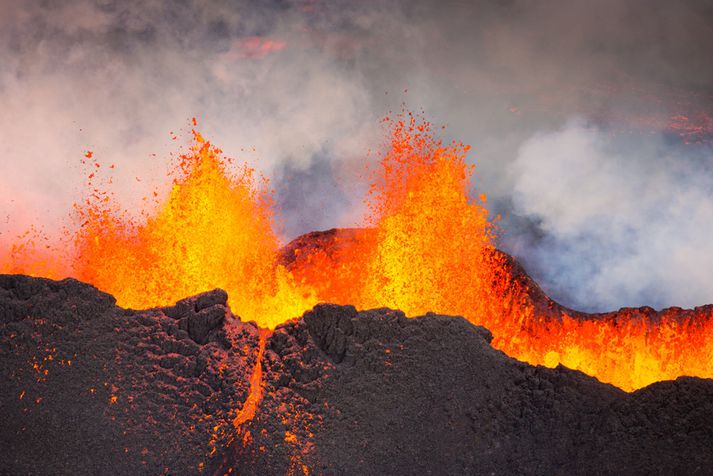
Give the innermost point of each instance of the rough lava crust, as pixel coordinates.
(91, 388)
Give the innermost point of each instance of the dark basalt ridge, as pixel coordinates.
(345, 392)
(90, 388)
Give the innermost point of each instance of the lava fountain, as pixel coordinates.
(214, 230)
(428, 246)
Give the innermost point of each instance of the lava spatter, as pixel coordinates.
(428, 245)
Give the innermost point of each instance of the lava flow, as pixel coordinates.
(247, 412)
(429, 247)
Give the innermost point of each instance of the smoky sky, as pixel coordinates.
(590, 122)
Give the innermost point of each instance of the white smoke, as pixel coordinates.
(626, 224)
(118, 79)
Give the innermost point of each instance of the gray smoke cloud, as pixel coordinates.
(297, 88)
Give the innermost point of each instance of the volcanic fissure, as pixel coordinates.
(427, 245)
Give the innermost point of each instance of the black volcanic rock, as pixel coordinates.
(378, 393)
(90, 388)
(201, 314)
(345, 392)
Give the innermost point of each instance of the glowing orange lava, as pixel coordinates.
(429, 247)
(214, 230)
(247, 412)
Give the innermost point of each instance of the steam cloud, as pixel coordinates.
(607, 210)
(623, 222)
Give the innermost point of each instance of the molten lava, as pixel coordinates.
(429, 247)
(247, 412)
(213, 231)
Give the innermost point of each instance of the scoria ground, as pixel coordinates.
(91, 388)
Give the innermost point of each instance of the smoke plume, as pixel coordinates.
(607, 210)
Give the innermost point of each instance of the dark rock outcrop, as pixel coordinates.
(90, 388)
(200, 315)
(377, 393)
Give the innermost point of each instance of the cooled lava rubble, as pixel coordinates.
(90, 388)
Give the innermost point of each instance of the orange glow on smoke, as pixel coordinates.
(429, 247)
